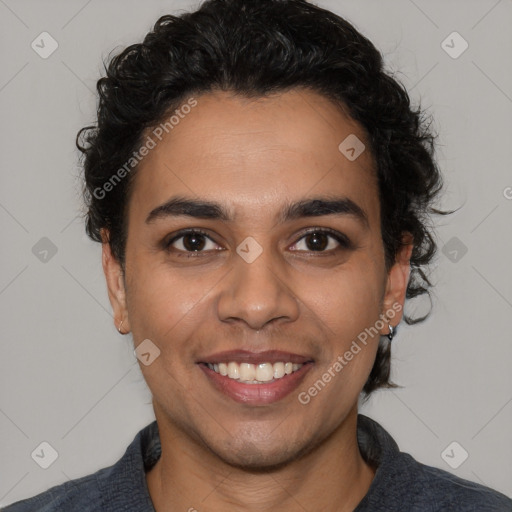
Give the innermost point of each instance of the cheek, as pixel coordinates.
(349, 309)
(348, 300)
(171, 308)
(349, 306)
(163, 301)
(168, 309)
(160, 297)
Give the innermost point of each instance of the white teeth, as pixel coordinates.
(233, 370)
(247, 371)
(253, 374)
(264, 372)
(278, 370)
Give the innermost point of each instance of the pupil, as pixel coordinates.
(317, 239)
(197, 242)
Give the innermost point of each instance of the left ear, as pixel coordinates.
(398, 279)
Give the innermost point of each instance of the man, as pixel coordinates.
(260, 188)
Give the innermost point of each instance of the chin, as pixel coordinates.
(261, 457)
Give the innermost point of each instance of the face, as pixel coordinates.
(271, 275)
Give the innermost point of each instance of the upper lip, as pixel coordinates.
(246, 356)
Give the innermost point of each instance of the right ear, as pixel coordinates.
(114, 276)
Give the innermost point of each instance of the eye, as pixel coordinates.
(191, 241)
(323, 240)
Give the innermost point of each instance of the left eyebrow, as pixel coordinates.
(319, 207)
(315, 207)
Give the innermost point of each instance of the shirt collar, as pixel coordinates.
(125, 484)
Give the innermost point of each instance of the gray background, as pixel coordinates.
(67, 376)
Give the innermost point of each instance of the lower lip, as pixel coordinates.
(257, 394)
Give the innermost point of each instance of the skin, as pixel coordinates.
(254, 156)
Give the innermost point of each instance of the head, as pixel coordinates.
(278, 121)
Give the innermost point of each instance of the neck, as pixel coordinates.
(188, 476)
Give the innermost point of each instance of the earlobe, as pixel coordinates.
(115, 286)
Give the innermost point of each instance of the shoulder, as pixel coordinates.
(80, 494)
(434, 489)
(403, 484)
(117, 488)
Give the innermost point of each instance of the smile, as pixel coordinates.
(249, 373)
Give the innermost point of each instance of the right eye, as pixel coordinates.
(192, 241)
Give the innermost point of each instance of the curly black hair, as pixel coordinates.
(257, 48)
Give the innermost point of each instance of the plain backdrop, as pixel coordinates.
(69, 379)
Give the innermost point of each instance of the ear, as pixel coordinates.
(397, 281)
(114, 276)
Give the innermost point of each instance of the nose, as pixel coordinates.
(257, 293)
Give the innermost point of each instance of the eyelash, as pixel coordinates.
(343, 240)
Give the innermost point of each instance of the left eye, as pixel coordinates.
(318, 241)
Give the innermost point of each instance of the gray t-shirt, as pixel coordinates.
(401, 484)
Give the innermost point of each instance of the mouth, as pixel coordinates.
(248, 373)
(256, 378)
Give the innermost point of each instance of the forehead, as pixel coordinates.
(250, 153)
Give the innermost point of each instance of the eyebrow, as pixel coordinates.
(314, 207)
